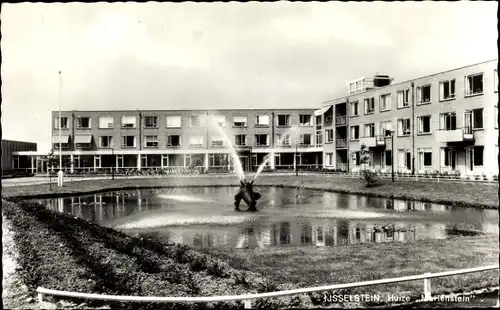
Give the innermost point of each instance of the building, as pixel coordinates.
(445, 122)
(92, 140)
(11, 163)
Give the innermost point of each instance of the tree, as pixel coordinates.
(368, 176)
(51, 161)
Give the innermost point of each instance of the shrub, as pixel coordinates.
(368, 176)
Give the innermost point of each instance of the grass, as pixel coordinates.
(61, 252)
(479, 195)
(345, 264)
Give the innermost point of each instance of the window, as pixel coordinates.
(369, 105)
(218, 160)
(328, 116)
(424, 94)
(447, 90)
(261, 140)
(329, 159)
(240, 140)
(385, 128)
(194, 121)
(128, 141)
(220, 120)
(240, 121)
(329, 135)
(83, 122)
(319, 122)
(106, 141)
(356, 158)
(424, 124)
(305, 139)
(173, 140)
(128, 121)
(305, 120)
(496, 117)
(404, 127)
(63, 123)
(284, 120)
(196, 141)
(424, 158)
(151, 121)
(448, 121)
(477, 118)
(173, 122)
(262, 120)
(217, 142)
(352, 88)
(474, 84)
(404, 160)
(388, 158)
(355, 132)
(319, 137)
(106, 122)
(385, 102)
(150, 141)
(495, 80)
(478, 156)
(354, 108)
(449, 157)
(283, 140)
(403, 98)
(369, 130)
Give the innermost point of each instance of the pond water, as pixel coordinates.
(205, 217)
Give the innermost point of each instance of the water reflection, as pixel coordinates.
(284, 218)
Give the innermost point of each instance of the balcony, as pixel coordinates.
(456, 135)
(376, 141)
(341, 143)
(341, 120)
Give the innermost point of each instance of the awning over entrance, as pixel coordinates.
(322, 110)
(83, 139)
(64, 139)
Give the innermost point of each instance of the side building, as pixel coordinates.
(10, 162)
(445, 122)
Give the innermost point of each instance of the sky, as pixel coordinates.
(221, 55)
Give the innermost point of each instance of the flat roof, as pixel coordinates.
(190, 110)
(420, 77)
(17, 141)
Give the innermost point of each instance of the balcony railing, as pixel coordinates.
(375, 141)
(341, 143)
(341, 120)
(455, 135)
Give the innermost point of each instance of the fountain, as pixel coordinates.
(245, 192)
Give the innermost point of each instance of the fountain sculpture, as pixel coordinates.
(248, 195)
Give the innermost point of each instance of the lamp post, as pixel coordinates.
(296, 153)
(392, 155)
(114, 163)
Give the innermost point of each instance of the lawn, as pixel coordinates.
(345, 264)
(464, 194)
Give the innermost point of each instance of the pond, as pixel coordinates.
(205, 217)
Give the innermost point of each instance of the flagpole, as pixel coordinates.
(60, 128)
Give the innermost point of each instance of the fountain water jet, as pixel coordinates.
(212, 122)
(245, 191)
(271, 155)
